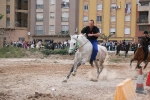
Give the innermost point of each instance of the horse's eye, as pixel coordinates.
(74, 43)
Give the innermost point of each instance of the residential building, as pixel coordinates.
(15, 20)
(53, 18)
(142, 18)
(116, 17)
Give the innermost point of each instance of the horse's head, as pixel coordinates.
(73, 44)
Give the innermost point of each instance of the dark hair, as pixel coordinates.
(92, 20)
(145, 32)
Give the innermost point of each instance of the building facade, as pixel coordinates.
(53, 18)
(15, 20)
(142, 18)
(116, 17)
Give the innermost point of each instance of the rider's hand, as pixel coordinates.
(90, 34)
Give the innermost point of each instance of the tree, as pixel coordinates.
(1, 16)
(106, 38)
(63, 33)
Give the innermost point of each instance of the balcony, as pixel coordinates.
(140, 1)
(65, 5)
(64, 19)
(39, 19)
(143, 21)
(143, 8)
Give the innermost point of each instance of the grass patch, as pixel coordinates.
(12, 52)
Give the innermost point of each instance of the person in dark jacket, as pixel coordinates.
(146, 43)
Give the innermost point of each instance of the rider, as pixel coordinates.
(146, 43)
(92, 33)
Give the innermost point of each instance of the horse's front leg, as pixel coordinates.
(77, 64)
(65, 80)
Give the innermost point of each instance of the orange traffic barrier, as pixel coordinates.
(148, 80)
(125, 91)
(140, 85)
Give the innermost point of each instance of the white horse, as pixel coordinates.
(83, 54)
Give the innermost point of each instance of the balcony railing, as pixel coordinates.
(39, 19)
(142, 20)
(64, 19)
(39, 31)
(39, 6)
(144, 1)
(65, 5)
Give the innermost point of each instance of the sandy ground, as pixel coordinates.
(41, 79)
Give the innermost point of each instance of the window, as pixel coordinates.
(39, 17)
(113, 6)
(8, 22)
(21, 39)
(52, 15)
(51, 27)
(39, 4)
(39, 29)
(25, 1)
(65, 4)
(8, 0)
(65, 16)
(85, 7)
(52, 2)
(113, 18)
(65, 28)
(112, 30)
(127, 31)
(99, 7)
(143, 28)
(127, 18)
(85, 19)
(128, 8)
(8, 9)
(99, 18)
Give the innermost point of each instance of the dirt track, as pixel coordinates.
(41, 79)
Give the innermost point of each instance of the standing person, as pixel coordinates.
(92, 33)
(146, 43)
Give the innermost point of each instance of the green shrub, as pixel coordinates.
(12, 52)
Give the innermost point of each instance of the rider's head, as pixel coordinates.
(145, 33)
(91, 23)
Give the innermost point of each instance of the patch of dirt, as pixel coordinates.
(41, 79)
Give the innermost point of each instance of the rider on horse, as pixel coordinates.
(146, 43)
(92, 33)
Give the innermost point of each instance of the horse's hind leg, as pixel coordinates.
(100, 69)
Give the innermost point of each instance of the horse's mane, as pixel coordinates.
(75, 36)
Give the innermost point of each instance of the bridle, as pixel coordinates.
(77, 45)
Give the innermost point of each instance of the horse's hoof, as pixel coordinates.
(64, 81)
(73, 74)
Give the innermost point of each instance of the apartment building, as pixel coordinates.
(142, 18)
(15, 20)
(53, 18)
(116, 17)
